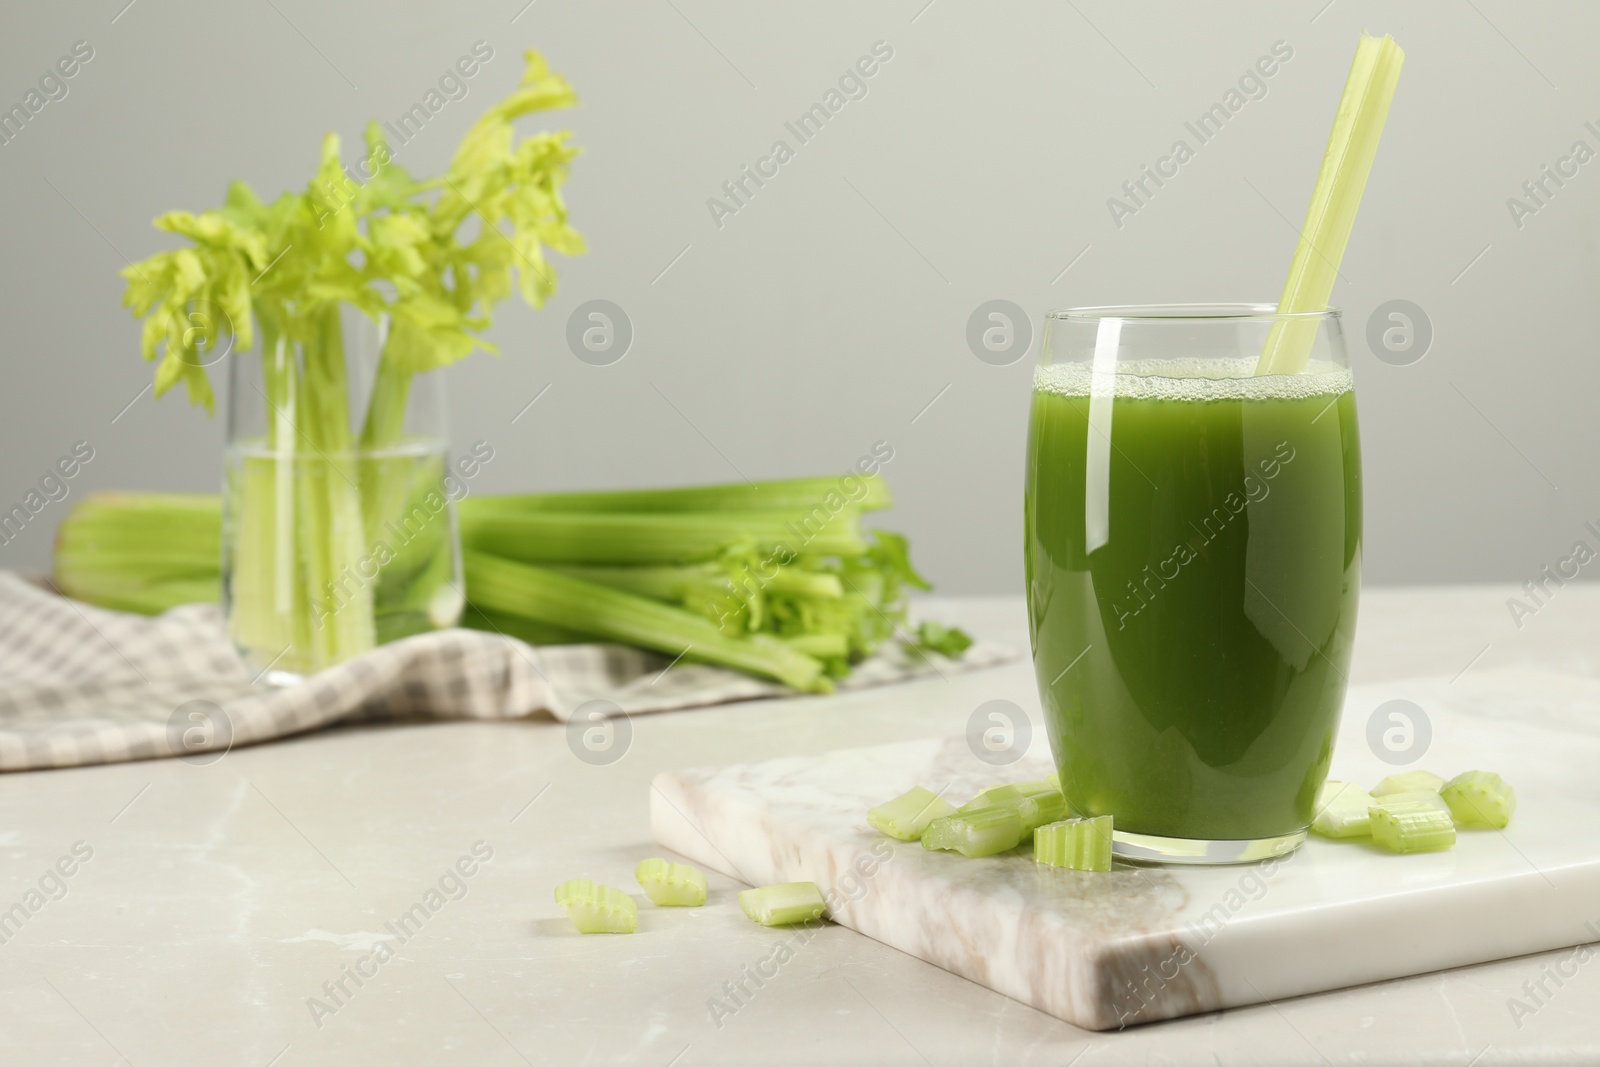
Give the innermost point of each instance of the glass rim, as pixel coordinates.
(1188, 313)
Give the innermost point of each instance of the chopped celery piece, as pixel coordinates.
(1480, 799)
(1342, 810)
(1409, 782)
(907, 815)
(783, 904)
(1414, 796)
(1076, 844)
(1036, 803)
(939, 835)
(597, 909)
(671, 885)
(975, 833)
(995, 794)
(1411, 823)
(1037, 809)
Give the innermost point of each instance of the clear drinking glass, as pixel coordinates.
(339, 528)
(1193, 564)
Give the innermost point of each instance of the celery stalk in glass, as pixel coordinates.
(298, 545)
(333, 533)
(304, 513)
(265, 599)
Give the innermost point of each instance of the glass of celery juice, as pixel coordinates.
(1193, 563)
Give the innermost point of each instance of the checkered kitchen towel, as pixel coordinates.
(80, 685)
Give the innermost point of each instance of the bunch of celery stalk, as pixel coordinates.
(777, 579)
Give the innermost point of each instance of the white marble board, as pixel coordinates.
(1139, 944)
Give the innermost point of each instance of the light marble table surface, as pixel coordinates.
(209, 909)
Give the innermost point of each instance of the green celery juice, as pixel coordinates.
(1193, 563)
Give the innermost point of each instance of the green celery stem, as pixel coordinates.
(501, 585)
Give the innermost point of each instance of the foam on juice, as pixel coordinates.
(1191, 380)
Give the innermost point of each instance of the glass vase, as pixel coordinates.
(1193, 557)
(339, 532)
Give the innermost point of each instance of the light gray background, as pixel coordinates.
(830, 311)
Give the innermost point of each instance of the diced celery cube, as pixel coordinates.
(671, 885)
(1411, 825)
(1076, 844)
(597, 909)
(1342, 810)
(783, 904)
(976, 833)
(1036, 803)
(939, 835)
(1409, 782)
(1480, 799)
(996, 794)
(1414, 796)
(907, 815)
(1045, 806)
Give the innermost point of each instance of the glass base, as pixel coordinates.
(1148, 848)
